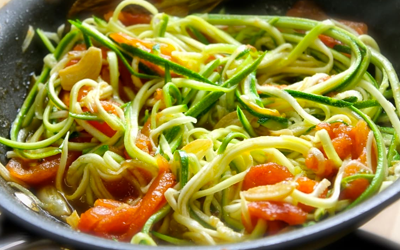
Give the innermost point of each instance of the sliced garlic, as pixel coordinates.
(53, 201)
(88, 67)
(198, 147)
(276, 192)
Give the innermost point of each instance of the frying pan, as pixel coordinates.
(16, 69)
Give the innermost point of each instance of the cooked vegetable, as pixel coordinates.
(205, 129)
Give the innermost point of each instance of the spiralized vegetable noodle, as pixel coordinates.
(207, 129)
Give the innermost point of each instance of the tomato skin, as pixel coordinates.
(107, 218)
(359, 135)
(306, 185)
(117, 220)
(65, 94)
(274, 226)
(360, 28)
(307, 9)
(279, 211)
(353, 189)
(265, 174)
(121, 189)
(128, 18)
(38, 172)
(165, 49)
(329, 41)
(347, 141)
(145, 45)
(103, 127)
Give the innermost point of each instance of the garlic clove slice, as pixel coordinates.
(88, 67)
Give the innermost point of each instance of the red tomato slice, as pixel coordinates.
(265, 174)
(38, 172)
(277, 211)
(113, 219)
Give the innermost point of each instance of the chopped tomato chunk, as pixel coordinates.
(348, 142)
(354, 189)
(313, 163)
(307, 9)
(306, 185)
(274, 226)
(277, 211)
(103, 126)
(128, 18)
(121, 189)
(265, 174)
(165, 49)
(117, 220)
(38, 172)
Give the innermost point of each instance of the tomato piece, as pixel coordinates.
(128, 18)
(313, 163)
(354, 189)
(65, 95)
(82, 137)
(113, 219)
(360, 28)
(105, 74)
(307, 9)
(306, 185)
(107, 218)
(347, 141)
(108, 203)
(343, 145)
(280, 211)
(121, 189)
(165, 49)
(275, 226)
(38, 172)
(154, 198)
(265, 174)
(329, 41)
(77, 47)
(359, 135)
(143, 142)
(117, 222)
(80, 47)
(103, 127)
(83, 92)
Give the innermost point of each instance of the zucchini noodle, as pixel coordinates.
(207, 128)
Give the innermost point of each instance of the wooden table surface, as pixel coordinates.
(386, 224)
